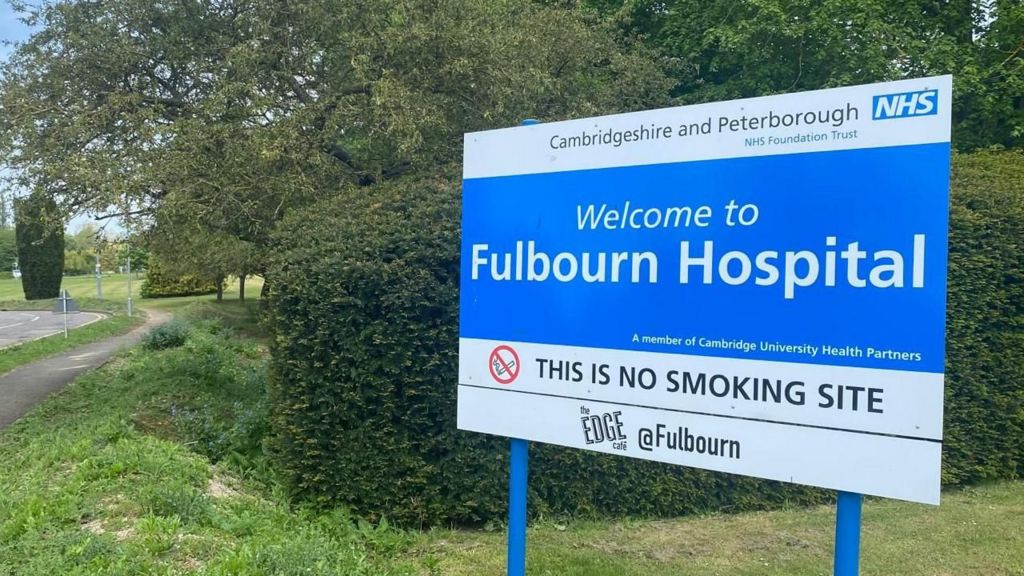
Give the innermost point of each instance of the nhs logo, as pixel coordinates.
(905, 105)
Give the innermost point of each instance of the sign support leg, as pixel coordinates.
(518, 464)
(847, 560)
(519, 459)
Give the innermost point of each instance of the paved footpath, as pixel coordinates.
(28, 385)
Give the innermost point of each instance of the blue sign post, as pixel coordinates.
(755, 287)
(847, 554)
(519, 462)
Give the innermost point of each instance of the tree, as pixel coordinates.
(40, 237)
(8, 249)
(5, 210)
(131, 253)
(221, 114)
(186, 250)
(724, 49)
(81, 249)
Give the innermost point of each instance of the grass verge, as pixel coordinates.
(116, 324)
(975, 532)
(146, 467)
(155, 465)
(115, 287)
(241, 317)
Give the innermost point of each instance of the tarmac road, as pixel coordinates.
(20, 327)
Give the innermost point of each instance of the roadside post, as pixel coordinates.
(65, 305)
(129, 279)
(755, 287)
(99, 279)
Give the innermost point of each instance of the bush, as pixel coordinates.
(169, 335)
(364, 307)
(40, 238)
(364, 298)
(984, 418)
(160, 283)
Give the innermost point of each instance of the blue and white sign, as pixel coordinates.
(755, 286)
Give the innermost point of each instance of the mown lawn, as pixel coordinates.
(974, 532)
(115, 287)
(155, 465)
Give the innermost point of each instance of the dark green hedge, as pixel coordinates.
(984, 425)
(39, 233)
(364, 306)
(160, 283)
(364, 293)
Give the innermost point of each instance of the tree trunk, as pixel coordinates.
(220, 289)
(241, 287)
(265, 294)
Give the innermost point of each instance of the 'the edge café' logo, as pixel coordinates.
(601, 428)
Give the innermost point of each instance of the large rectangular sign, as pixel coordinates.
(755, 287)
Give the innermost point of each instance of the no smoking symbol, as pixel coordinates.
(504, 364)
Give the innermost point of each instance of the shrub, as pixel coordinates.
(984, 418)
(160, 283)
(364, 298)
(169, 335)
(364, 308)
(40, 237)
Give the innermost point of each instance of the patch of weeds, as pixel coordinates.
(107, 478)
(176, 500)
(226, 432)
(170, 335)
(158, 534)
(213, 400)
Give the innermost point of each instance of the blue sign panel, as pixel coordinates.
(825, 257)
(779, 260)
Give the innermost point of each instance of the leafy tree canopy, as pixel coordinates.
(8, 251)
(227, 114)
(724, 49)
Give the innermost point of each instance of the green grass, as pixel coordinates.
(243, 316)
(975, 532)
(115, 288)
(115, 476)
(155, 465)
(116, 324)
